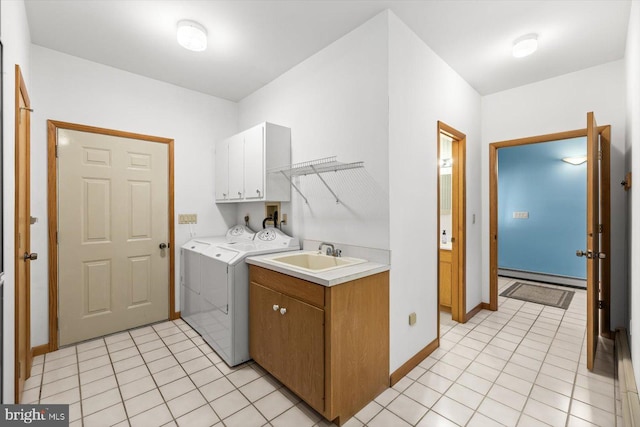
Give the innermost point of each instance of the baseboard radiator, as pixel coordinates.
(542, 277)
(627, 381)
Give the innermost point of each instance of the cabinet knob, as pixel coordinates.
(258, 192)
(283, 311)
(239, 193)
(275, 307)
(224, 194)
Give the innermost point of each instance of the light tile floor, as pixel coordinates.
(523, 365)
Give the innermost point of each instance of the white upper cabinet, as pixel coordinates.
(242, 163)
(221, 172)
(254, 173)
(236, 167)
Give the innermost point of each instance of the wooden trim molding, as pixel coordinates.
(52, 209)
(475, 310)
(40, 349)
(408, 366)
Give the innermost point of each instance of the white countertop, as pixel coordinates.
(325, 278)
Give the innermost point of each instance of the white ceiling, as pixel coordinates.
(253, 42)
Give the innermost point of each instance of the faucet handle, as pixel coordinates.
(329, 251)
(337, 253)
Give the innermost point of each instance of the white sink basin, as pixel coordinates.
(315, 262)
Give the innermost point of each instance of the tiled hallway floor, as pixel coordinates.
(520, 366)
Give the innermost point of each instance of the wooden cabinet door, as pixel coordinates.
(288, 342)
(445, 278)
(254, 173)
(265, 328)
(303, 350)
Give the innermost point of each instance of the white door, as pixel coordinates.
(113, 214)
(254, 162)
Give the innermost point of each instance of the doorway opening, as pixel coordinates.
(451, 225)
(597, 225)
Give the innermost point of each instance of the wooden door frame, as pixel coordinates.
(21, 92)
(458, 224)
(52, 208)
(605, 206)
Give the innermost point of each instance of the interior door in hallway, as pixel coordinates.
(23, 254)
(594, 230)
(113, 218)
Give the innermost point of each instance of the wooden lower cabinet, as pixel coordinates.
(329, 345)
(445, 278)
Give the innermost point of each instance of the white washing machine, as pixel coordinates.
(190, 266)
(214, 288)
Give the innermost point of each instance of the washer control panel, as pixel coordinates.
(275, 237)
(240, 232)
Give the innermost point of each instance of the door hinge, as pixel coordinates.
(599, 154)
(600, 228)
(600, 304)
(56, 150)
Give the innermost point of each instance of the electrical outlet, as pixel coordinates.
(412, 319)
(187, 219)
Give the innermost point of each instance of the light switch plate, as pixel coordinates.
(187, 219)
(521, 215)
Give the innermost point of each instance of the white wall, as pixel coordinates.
(633, 164)
(335, 103)
(16, 43)
(71, 89)
(557, 105)
(376, 95)
(422, 90)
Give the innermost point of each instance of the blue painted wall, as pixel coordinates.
(533, 178)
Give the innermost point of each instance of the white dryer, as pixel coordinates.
(215, 288)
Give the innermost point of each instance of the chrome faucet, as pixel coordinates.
(331, 250)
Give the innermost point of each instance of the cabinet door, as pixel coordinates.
(445, 278)
(254, 173)
(288, 342)
(265, 328)
(303, 348)
(236, 167)
(221, 172)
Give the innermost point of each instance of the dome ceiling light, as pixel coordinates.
(525, 45)
(192, 35)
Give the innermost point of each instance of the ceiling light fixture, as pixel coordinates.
(192, 35)
(525, 45)
(578, 160)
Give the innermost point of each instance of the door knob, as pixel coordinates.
(163, 246)
(581, 253)
(30, 256)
